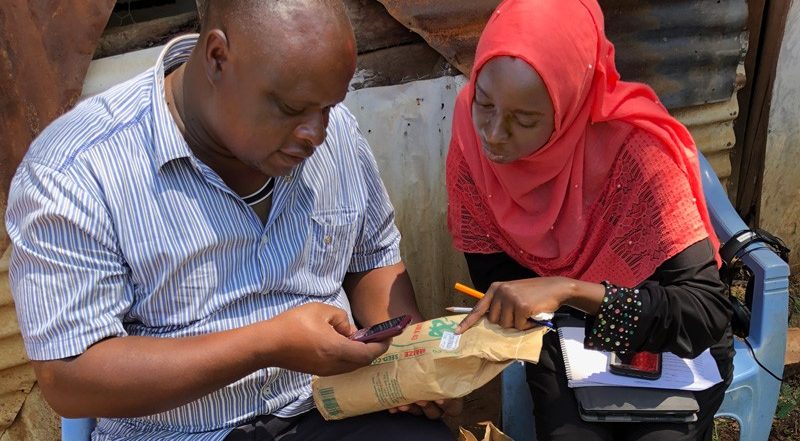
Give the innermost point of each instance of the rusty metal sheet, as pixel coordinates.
(452, 27)
(45, 49)
(688, 50)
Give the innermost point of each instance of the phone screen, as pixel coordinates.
(383, 330)
(645, 365)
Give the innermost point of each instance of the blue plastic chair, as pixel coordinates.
(752, 397)
(77, 429)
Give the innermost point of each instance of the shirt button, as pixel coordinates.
(264, 240)
(327, 240)
(288, 178)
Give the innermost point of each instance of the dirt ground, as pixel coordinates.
(785, 425)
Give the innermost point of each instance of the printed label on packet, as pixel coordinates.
(449, 341)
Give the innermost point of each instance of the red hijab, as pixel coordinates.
(608, 201)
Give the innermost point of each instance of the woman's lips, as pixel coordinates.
(495, 155)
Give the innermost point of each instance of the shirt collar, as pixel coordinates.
(168, 141)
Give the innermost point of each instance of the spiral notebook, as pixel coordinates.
(590, 368)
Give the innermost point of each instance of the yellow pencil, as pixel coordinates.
(469, 291)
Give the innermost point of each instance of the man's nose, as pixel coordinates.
(314, 129)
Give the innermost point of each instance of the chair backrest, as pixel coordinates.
(752, 397)
(77, 429)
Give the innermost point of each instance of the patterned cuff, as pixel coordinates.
(617, 320)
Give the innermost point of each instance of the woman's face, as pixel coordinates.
(512, 110)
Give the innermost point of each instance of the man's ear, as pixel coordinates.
(217, 54)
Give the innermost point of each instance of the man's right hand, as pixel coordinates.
(133, 376)
(314, 338)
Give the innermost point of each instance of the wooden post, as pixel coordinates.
(792, 359)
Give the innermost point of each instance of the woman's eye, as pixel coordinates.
(527, 122)
(484, 105)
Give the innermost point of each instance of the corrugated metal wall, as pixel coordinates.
(688, 50)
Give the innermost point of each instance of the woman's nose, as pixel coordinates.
(496, 131)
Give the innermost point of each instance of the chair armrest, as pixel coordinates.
(769, 271)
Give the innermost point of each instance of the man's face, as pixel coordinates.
(270, 110)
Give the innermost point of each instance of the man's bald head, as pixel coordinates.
(214, 9)
(225, 13)
(265, 75)
(284, 29)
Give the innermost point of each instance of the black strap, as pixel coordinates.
(737, 247)
(731, 253)
(733, 248)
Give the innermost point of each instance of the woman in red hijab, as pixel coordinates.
(572, 191)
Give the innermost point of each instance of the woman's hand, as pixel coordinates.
(511, 303)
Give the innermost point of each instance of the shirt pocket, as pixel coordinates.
(330, 244)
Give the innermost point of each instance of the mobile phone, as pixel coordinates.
(643, 364)
(382, 330)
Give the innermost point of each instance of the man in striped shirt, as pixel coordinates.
(192, 244)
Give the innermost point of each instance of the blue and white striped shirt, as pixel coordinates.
(119, 230)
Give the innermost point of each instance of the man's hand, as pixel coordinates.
(432, 409)
(313, 338)
(125, 377)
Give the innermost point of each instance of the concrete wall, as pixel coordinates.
(780, 194)
(408, 128)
